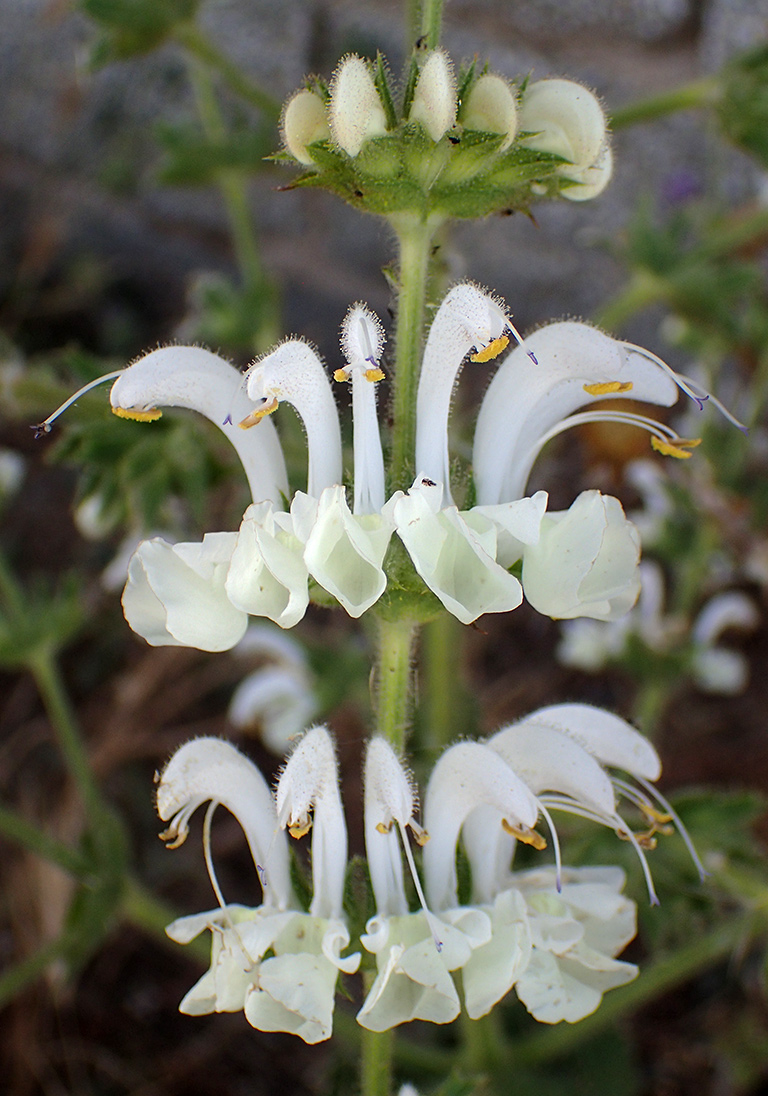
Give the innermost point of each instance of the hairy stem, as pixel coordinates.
(697, 94)
(393, 696)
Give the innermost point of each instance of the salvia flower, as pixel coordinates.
(579, 562)
(293, 989)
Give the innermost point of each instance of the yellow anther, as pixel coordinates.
(657, 817)
(382, 827)
(256, 416)
(341, 375)
(492, 350)
(152, 414)
(420, 835)
(173, 837)
(678, 449)
(608, 388)
(374, 375)
(522, 833)
(298, 829)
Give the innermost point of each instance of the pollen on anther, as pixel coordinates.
(374, 375)
(492, 350)
(151, 414)
(677, 449)
(341, 375)
(608, 388)
(256, 416)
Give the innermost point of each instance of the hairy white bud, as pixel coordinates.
(491, 107)
(434, 100)
(304, 121)
(356, 113)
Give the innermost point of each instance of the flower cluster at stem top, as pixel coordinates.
(552, 934)
(581, 562)
(446, 148)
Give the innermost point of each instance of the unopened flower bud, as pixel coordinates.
(491, 107)
(356, 112)
(566, 119)
(434, 100)
(304, 122)
(592, 180)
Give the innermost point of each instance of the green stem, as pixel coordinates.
(643, 290)
(443, 704)
(376, 1057)
(653, 981)
(201, 47)
(17, 977)
(45, 671)
(144, 911)
(483, 1043)
(234, 188)
(26, 834)
(393, 697)
(697, 94)
(431, 22)
(414, 238)
(650, 702)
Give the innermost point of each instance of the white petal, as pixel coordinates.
(210, 768)
(517, 523)
(295, 993)
(389, 798)
(188, 376)
(491, 107)
(606, 736)
(304, 122)
(524, 401)
(591, 180)
(468, 319)
(466, 776)
(310, 782)
(434, 99)
(565, 118)
(345, 552)
(293, 372)
(729, 610)
(267, 575)
(492, 970)
(175, 594)
(548, 760)
(718, 670)
(585, 563)
(455, 559)
(356, 114)
(279, 700)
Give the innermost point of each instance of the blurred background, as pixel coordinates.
(136, 208)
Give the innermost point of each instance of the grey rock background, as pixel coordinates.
(77, 153)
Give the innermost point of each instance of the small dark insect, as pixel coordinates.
(428, 483)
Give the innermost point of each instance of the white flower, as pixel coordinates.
(278, 697)
(591, 646)
(293, 989)
(434, 98)
(355, 112)
(581, 562)
(565, 118)
(491, 107)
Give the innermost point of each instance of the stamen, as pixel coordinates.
(608, 388)
(215, 883)
(384, 827)
(524, 834)
(431, 919)
(556, 846)
(342, 375)
(420, 835)
(678, 449)
(691, 388)
(665, 434)
(300, 828)
(492, 350)
(149, 414)
(44, 427)
(374, 375)
(680, 825)
(256, 416)
(177, 831)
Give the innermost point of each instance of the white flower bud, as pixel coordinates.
(592, 180)
(491, 107)
(356, 112)
(304, 121)
(566, 119)
(434, 100)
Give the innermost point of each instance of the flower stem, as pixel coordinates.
(393, 697)
(431, 22)
(201, 47)
(234, 189)
(24, 833)
(376, 1063)
(443, 708)
(415, 238)
(698, 93)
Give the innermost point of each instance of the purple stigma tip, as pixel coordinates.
(744, 430)
(533, 357)
(439, 945)
(227, 420)
(655, 900)
(41, 429)
(262, 875)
